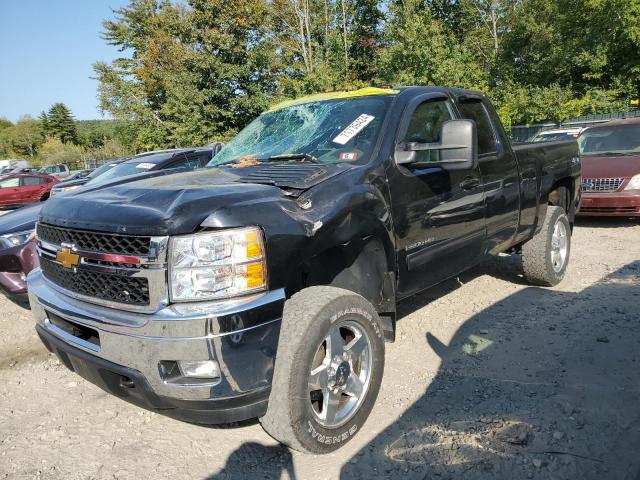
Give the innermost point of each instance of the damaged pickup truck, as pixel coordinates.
(265, 286)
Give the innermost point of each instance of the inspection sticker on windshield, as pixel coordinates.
(348, 156)
(146, 166)
(353, 129)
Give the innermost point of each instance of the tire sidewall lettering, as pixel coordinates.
(331, 439)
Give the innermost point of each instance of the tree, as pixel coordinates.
(22, 139)
(59, 123)
(420, 52)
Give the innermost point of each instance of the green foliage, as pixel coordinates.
(54, 151)
(59, 123)
(21, 140)
(195, 71)
(421, 52)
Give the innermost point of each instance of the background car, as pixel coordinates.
(72, 184)
(18, 254)
(24, 188)
(17, 245)
(80, 174)
(59, 171)
(610, 155)
(557, 135)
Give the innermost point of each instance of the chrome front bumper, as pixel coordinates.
(240, 334)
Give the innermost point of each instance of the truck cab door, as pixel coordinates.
(438, 213)
(499, 171)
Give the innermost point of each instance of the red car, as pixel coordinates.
(611, 169)
(24, 188)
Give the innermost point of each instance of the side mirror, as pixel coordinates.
(458, 147)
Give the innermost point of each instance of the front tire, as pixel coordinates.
(545, 257)
(328, 370)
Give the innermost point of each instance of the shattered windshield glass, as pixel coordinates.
(329, 131)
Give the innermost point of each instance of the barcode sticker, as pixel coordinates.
(353, 129)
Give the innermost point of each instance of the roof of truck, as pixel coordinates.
(366, 92)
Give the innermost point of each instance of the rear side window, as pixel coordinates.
(192, 161)
(30, 181)
(475, 110)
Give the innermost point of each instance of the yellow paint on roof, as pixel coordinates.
(318, 97)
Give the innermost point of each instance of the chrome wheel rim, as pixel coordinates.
(559, 246)
(340, 374)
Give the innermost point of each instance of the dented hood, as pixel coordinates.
(178, 203)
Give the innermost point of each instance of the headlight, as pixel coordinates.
(17, 238)
(219, 264)
(634, 183)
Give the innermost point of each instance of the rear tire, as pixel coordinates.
(328, 370)
(545, 257)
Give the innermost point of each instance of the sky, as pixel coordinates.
(47, 49)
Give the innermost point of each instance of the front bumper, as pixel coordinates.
(124, 358)
(619, 204)
(15, 264)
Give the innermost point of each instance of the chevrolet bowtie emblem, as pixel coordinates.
(67, 258)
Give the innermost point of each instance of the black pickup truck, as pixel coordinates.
(266, 285)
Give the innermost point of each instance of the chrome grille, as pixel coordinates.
(601, 184)
(120, 271)
(111, 287)
(95, 241)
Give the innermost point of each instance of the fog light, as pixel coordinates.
(199, 369)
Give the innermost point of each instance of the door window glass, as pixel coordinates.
(475, 110)
(425, 127)
(10, 182)
(30, 181)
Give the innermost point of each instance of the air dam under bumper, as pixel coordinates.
(121, 351)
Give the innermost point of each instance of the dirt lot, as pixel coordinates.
(489, 378)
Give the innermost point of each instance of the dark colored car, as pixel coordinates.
(611, 169)
(81, 174)
(25, 188)
(74, 183)
(17, 259)
(266, 285)
(17, 250)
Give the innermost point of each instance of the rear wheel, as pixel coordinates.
(328, 369)
(545, 257)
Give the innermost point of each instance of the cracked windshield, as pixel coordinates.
(329, 131)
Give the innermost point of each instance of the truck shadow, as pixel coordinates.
(543, 384)
(254, 460)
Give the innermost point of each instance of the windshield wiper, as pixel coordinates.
(305, 157)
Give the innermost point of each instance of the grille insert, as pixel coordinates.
(601, 184)
(94, 241)
(104, 286)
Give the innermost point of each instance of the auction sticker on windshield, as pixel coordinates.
(146, 166)
(353, 129)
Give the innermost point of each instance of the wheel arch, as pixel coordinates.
(361, 265)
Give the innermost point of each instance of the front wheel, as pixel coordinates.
(545, 257)
(328, 370)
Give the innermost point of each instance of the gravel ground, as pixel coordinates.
(489, 378)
